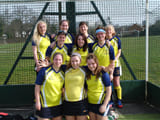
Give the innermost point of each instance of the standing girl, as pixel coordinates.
(40, 43)
(99, 89)
(83, 29)
(116, 43)
(75, 101)
(59, 46)
(48, 90)
(64, 26)
(103, 51)
(81, 47)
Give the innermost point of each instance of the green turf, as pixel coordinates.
(132, 47)
(140, 117)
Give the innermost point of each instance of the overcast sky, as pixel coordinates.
(121, 12)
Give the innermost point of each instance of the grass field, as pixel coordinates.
(132, 47)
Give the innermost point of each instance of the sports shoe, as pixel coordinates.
(111, 103)
(119, 104)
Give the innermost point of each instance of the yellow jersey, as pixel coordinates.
(74, 84)
(51, 86)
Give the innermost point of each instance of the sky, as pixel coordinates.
(120, 12)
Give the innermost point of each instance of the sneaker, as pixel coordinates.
(111, 103)
(119, 104)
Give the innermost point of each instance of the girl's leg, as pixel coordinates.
(117, 87)
(92, 116)
(39, 118)
(70, 117)
(99, 117)
(82, 117)
(57, 118)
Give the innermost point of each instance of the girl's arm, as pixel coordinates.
(34, 49)
(118, 54)
(38, 67)
(37, 97)
(102, 108)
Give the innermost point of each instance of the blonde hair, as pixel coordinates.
(36, 33)
(112, 29)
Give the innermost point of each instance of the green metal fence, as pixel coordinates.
(18, 17)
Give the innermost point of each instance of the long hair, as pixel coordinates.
(98, 70)
(112, 29)
(36, 33)
(85, 46)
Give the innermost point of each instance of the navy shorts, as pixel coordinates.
(50, 112)
(116, 71)
(95, 109)
(75, 108)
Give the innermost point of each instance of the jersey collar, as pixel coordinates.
(43, 35)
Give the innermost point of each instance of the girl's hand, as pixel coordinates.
(108, 42)
(102, 108)
(53, 44)
(38, 106)
(111, 77)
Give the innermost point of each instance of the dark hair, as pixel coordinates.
(61, 32)
(60, 23)
(83, 23)
(97, 70)
(85, 42)
(100, 27)
(57, 53)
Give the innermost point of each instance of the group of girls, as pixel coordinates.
(77, 81)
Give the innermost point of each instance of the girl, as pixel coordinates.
(103, 51)
(59, 46)
(48, 90)
(64, 26)
(75, 102)
(99, 89)
(83, 29)
(81, 47)
(40, 43)
(116, 43)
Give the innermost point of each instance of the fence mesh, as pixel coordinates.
(18, 17)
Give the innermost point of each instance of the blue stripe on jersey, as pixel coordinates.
(33, 43)
(111, 53)
(106, 79)
(48, 51)
(40, 76)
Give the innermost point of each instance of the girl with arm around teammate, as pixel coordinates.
(99, 89)
(40, 43)
(75, 107)
(48, 90)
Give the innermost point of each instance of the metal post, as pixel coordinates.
(60, 11)
(98, 12)
(25, 45)
(147, 47)
(71, 16)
